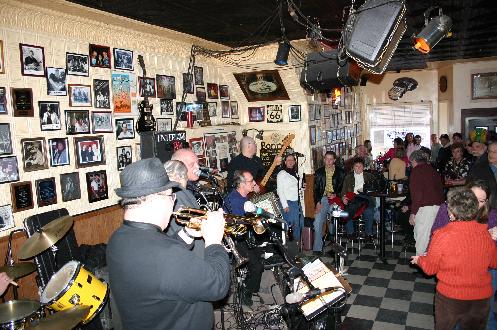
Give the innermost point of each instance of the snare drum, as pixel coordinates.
(73, 285)
(19, 314)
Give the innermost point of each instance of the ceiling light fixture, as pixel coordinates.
(434, 31)
(282, 54)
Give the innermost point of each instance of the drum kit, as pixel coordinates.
(73, 293)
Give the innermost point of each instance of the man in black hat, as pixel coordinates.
(156, 281)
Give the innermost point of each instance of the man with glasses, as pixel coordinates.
(246, 161)
(156, 281)
(485, 168)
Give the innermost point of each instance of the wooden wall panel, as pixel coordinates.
(309, 196)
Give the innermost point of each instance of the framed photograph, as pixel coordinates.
(9, 169)
(212, 91)
(198, 72)
(164, 124)
(96, 183)
(484, 86)
(22, 102)
(123, 157)
(59, 151)
(212, 107)
(294, 113)
(77, 64)
(70, 186)
(77, 121)
(274, 113)
(166, 87)
(101, 93)
(234, 110)
(188, 83)
(123, 59)
(122, 83)
(268, 202)
(166, 107)
(34, 154)
(79, 95)
(200, 92)
(197, 145)
(3, 101)
(263, 85)
(256, 114)
(49, 115)
(32, 60)
(101, 122)
(45, 192)
(89, 151)
(100, 56)
(317, 110)
(225, 109)
(125, 128)
(146, 86)
(56, 81)
(5, 139)
(312, 134)
(22, 196)
(6, 218)
(2, 62)
(224, 92)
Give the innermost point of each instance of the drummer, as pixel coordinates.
(4, 282)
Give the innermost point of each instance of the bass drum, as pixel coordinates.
(19, 314)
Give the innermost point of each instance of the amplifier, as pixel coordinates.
(161, 144)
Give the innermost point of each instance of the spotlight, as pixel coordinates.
(282, 55)
(433, 32)
(259, 135)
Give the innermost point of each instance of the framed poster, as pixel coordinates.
(34, 154)
(123, 59)
(101, 122)
(484, 85)
(22, 196)
(234, 109)
(9, 171)
(3, 101)
(146, 86)
(77, 64)
(188, 83)
(274, 113)
(59, 151)
(100, 56)
(49, 115)
(46, 192)
(101, 92)
(32, 60)
(70, 186)
(56, 81)
(125, 128)
(164, 124)
(89, 151)
(166, 87)
(197, 145)
(79, 95)
(294, 113)
(198, 73)
(2, 62)
(166, 107)
(5, 139)
(224, 92)
(256, 114)
(77, 122)
(96, 183)
(124, 157)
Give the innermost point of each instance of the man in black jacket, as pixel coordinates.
(485, 169)
(328, 182)
(156, 281)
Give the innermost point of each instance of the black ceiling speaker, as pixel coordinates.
(322, 72)
(373, 32)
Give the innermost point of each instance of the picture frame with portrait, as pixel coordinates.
(224, 92)
(100, 56)
(294, 112)
(212, 107)
(3, 101)
(483, 85)
(9, 169)
(198, 73)
(96, 184)
(59, 151)
(22, 196)
(234, 110)
(77, 64)
(101, 122)
(79, 95)
(56, 81)
(188, 83)
(201, 94)
(166, 107)
(164, 124)
(101, 93)
(49, 115)
(212, 91)
(32, 60)
(70, 186)
(46, 192)
(197, 146)
(225, 109)
(124, 157)
(146, 86)
(6, 217)
(77, 122)
(166, 87)
(22, 102)
(125, 128)
(123, 59)
(5, 139)
(257, 114)
(34, 154)
(89, 151)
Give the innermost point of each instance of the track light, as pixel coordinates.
(433, 32)
(282, 55)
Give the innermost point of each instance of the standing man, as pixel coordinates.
(425, 186)
(246, 160)
(157, 282)
(485, 168)
(444, 153)
(435, 147)
(328, 182)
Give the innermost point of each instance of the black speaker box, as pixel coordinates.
(161, 144)
(322, 72)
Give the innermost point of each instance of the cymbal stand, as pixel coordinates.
(9, 261)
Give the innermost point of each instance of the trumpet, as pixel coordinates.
(235, 225)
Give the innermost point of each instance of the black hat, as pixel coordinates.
(444, 136)
(144, 177)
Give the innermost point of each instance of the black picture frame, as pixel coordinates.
(89, 151)
(56, 81)
(125, 128)
(70, 187)
(188, 83)
(257, 114)
(3, 101)
(77, 64)
(9, 169)
(49, 112)
(212, 107)
(5, 139)
(166, 107)
(22, 196)
(212, 91)
(101, 94)
(77, 122)
(123, 59)
(96, 183)
(80, 95)
(234, 110)
(224, 92)
(198, 73)
(166, 87)
(100, 56)
(32, 60)
(146, 86)
(201, 93)
(34, 154)
(294, 113)
(124, 157)
(22, 102)
(101, 122)
(164, 124)
(59, 152)
(46, 191)
(225, 109)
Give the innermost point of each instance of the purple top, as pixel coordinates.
(442, 218)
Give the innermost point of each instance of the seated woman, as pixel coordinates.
(390, 154)
(460, 255)
(457, 167)
(397, 166)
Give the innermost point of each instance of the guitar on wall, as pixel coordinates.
(146, 122)
(285, 144)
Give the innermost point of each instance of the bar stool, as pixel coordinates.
(390, 218)
(360, 227)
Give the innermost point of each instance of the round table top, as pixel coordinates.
(385, 194)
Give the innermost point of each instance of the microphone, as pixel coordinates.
(295, 297)
(298, 154)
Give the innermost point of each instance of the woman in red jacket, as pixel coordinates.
(460, 254)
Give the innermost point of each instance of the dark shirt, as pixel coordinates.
(242, 163)
(482, 170)
(425, 186)
(234, 202)
(443, 157)
(158, 283)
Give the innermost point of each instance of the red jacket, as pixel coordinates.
(460, 255)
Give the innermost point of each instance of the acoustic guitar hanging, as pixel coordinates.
(146, 122)
(285, 144)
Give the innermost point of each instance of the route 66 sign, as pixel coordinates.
(274, 114)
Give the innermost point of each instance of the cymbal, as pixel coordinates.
(18, 270)
(46, 237)
(66, 319)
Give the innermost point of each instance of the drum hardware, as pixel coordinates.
(18, 271)
(19, 314)
(66, 319)
(239, 260)
(46, 237)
